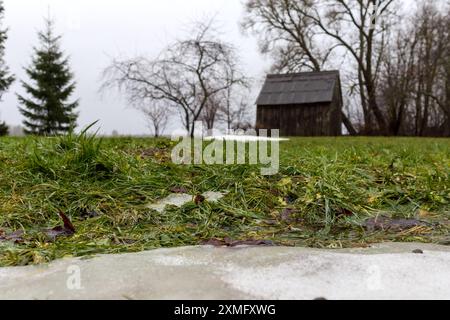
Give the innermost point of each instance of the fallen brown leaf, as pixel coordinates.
(67, 223)
(16, 236)
(385, 223)
(198, 199)
(345, 213)
(228, 242)
(61, 231)
(251, 243)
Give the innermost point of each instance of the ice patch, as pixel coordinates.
(180, 199)
(177, 200)
(244, 138)
(179, 261)
(212, 196)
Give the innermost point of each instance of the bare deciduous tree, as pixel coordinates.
(285, 32)
(230, 108)
(432, 51)
(157, 116)
(396, 80)
(414, 78)
(185, 76)
(235, 111)
(209, 114)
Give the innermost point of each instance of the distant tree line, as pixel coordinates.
(414, 88)
(396, 65)
(46, 108)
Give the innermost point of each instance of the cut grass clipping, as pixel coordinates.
(329, 193)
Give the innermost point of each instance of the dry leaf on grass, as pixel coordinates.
(16, 236)
(198, 199)
(385, 223)
(61, 231)
(179, 190)
(228, 242)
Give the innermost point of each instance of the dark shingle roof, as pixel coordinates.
(298, 88)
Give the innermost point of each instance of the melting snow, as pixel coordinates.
(244, 138)
(179, 200)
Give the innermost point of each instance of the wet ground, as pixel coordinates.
(385, 271)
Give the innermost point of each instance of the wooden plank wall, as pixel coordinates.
(301, 120)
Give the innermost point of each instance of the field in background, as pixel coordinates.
(323, 196)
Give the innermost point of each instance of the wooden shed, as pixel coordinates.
(301, 104)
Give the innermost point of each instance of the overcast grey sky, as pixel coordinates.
(96, 30)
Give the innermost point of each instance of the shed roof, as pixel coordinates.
(298, 88)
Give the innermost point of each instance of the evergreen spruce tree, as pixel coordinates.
(6, 79)
(48, 111)
(4, 130)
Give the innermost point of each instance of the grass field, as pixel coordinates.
(326, 189)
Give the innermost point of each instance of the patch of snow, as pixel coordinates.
(244, 138)
(177, 200)
(212, 196)
(180, 199)
(179, 261)
(346, 276)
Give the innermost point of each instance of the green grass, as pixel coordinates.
(321, 177)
